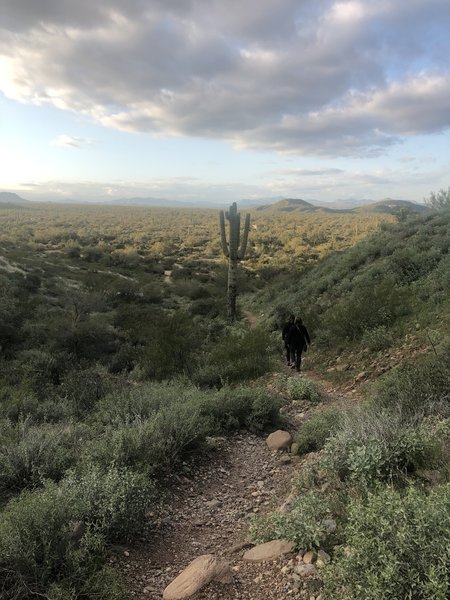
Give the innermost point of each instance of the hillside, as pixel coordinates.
(373, 295)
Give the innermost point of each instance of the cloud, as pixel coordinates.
(71, 141)
(333, 78)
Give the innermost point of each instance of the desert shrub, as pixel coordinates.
(123, 360)
(29, 453)
(409, 264)
(54, 539)
(372, 445)
(316, 431)
(207, 376)
(39, 371)
(205, 307)
(82, 390)
(116, 499)
(125, 404)
(305, 525)
(418, 388)
(397, 546)
(151, 444)
(154, 425)
(18, 404)
(242, 354)
(378, 338)
(365, 307)
(235, 408)
(171, 345)
(303, 388)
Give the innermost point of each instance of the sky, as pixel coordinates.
(222, 100)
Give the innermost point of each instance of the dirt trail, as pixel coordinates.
(209, 511)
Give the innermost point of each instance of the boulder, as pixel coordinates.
(196, 575)
(268, 551)
(279, 440)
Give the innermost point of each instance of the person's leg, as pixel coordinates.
(288, 354)
(293, 356)
(298, 359)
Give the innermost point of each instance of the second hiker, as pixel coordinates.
(298, 341)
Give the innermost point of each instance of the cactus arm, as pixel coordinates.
(238, 232)
(223, 236)
(233, 237)
(243, 246)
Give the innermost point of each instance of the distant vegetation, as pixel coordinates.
(116, 360)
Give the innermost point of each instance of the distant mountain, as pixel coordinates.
(388, 206)
(290, 205)
(393, 207)
(12, 200)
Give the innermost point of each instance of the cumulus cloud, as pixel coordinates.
(333, 77)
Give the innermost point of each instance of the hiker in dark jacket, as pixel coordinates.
(298, 340)
(284, 336)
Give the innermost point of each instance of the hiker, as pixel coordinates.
(298, 340)
(284, 336)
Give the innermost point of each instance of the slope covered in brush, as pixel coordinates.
(397, 280)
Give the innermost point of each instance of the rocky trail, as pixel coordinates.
(207, 511)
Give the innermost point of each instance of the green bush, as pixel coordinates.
(372, 445)
(305, 525)
(151, 444)
(241, 355)
(315, 431)
(52, 541)
(234, 408)
(397, 546)
(29, 453)
(18, 404)
(171, 345)
(378, 338)
(154, 425)
(302, 388)
(422, 387)
(116, 499)
(83, 389)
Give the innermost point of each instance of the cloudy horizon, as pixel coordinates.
(201, 99)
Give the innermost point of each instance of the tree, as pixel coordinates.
(439, 200)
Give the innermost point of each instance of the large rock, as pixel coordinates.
(268, 551)
(196, 575)
(279, 440)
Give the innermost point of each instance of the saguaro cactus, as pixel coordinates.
(234, 250)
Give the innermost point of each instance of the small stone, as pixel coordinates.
(309, 557)
(285, 459)
(126, 553)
